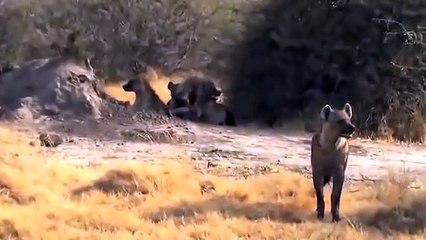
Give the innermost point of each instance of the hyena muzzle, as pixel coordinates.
(329, 155)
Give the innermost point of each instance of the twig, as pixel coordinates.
(412, 36)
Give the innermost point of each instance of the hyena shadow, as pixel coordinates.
(230, 208)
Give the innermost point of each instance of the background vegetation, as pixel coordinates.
(277, 60)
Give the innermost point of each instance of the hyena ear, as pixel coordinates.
(325, 112)
(124, 83)
(130, 83)
(348, 109)
(170, 85)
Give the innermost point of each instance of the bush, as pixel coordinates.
(120, 37)
(309, 53)
(278, 60)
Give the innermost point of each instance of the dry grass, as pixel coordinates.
(173, 201)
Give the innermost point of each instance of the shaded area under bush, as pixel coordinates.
(306, 54)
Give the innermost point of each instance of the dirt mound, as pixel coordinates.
(54, 87)
(63, 89)
(299, 56)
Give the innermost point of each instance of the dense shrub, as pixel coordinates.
(119, 36)
(308, 53)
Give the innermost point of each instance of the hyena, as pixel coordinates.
(186, 94)
(146, 98)
(196, 99)
(215, 113)
(178, 98)
(178, 105)
(329, 155)
(191, 90)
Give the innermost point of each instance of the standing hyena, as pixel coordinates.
(329, 155)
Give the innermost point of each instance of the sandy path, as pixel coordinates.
(368, 159)
(240, 148)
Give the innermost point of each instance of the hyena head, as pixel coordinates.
(210, 90)
(193, 91)
(337, 122)
(178, 92)
(133, 85)
(204, 92)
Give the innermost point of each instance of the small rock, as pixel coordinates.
(211, 165)
(264, 169)
(24, 113)
(291, 193)
(207, 187)
(51, 109)
(50, 139)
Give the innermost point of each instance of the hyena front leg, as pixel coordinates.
(318, 181)
(338, 180)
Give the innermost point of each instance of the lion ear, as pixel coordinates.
(325, 112)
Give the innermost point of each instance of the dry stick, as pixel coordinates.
(411, 35)
(194, 28)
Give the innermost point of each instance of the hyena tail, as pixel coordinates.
(230, 119)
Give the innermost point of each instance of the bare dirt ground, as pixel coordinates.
(143, 137)
(241, 151)
(169, 200)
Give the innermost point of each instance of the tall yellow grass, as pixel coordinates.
(173, 201)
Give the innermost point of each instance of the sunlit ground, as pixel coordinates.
(173, 201)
